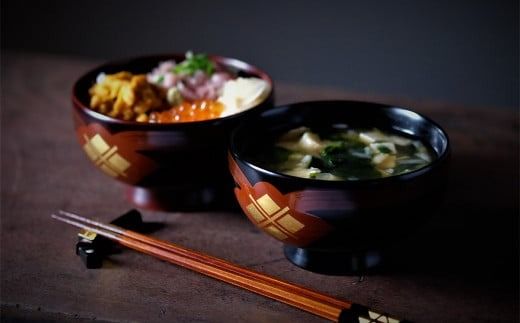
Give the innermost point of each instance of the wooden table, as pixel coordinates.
(461, 267)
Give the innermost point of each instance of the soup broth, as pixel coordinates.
(341, 153)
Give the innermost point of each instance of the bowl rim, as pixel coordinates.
(436, 163)
(223, 60)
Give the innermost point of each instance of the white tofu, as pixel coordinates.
(243, 93)
(303, 172)
(401, 141)
(305, 162)
(366, 139)
(293, 134)
(384, 161)
(371, 136)
(310, 143)
(328, 177)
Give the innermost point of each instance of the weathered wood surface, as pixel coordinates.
(460, 267)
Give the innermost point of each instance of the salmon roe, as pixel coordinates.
(189, 111)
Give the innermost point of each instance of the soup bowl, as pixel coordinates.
(166, 166)
(341, 226)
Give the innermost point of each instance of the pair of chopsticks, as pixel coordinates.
(300, 297)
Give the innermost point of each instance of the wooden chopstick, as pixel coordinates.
(210, 260)
(303, 298)
(308, 300)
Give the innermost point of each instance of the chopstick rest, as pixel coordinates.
(93, 248)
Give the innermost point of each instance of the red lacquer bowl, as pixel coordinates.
(166, 166)
(337, 226)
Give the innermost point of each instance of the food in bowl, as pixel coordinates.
(195, 89)
(338, 226)
(164, 165)
(343, 153)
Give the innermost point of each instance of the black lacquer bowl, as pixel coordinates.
(176, 166)
(337, 227)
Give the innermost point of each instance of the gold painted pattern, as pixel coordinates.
(290, 223)
(274, 231)
(89, 235)
(255, 213)
(267, 204)
(105, 157)
(272, 218)
(374, 317)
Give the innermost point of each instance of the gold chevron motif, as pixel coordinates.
(105, 157)
(275, 220)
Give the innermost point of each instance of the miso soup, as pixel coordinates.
(344, 154)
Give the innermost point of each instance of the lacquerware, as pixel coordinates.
(165, 166)
(337, 226)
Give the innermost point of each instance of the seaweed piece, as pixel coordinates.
(339, 161)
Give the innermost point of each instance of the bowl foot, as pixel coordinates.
(175, 199)
(333, 262)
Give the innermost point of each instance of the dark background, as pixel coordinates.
(463, 52)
